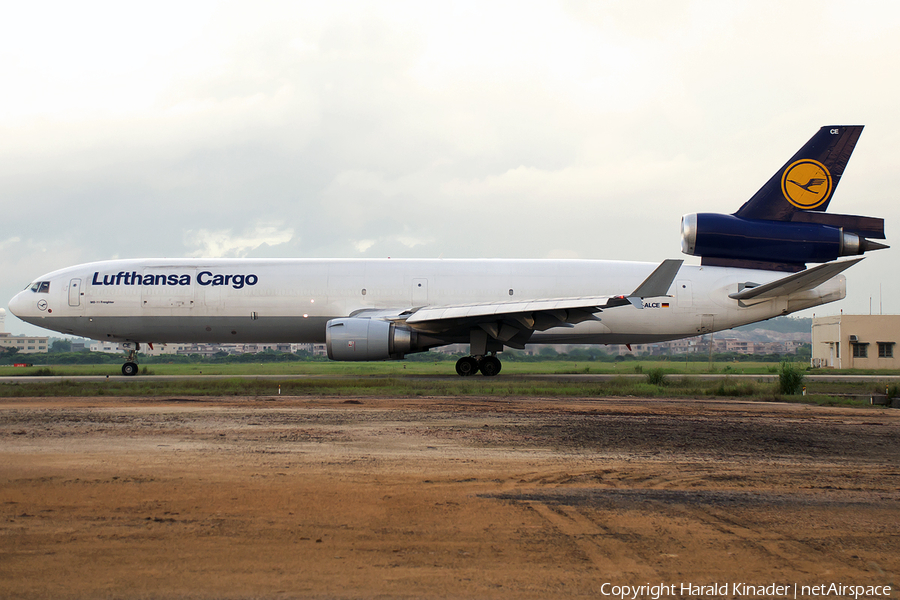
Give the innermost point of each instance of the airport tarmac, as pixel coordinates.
(296, 497)
(114, 374)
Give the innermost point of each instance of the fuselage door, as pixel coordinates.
(419, 292)
(75, 292)
(684, 296)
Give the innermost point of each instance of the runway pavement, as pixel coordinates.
(580, 377)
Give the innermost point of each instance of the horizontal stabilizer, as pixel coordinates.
(868, 227)
(798, 282)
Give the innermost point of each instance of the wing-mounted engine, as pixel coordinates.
(353, 339)
(729, 240)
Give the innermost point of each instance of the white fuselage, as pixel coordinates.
(290, 300)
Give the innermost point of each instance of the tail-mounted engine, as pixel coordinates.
(369, 339)
(728, 240)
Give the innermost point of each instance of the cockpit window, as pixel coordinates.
(40, 287)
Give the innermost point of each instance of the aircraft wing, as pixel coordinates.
(529, 313)
(513, 322)
(657, 284)
(798, 282)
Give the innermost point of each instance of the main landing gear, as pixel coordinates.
(469, 365)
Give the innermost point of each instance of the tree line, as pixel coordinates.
(61, 354)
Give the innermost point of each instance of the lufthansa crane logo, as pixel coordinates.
(806, 184)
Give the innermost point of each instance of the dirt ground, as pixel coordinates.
(440, 497)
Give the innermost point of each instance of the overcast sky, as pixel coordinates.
(426, 129)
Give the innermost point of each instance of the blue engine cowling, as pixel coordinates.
(713, 235)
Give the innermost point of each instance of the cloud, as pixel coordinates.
(221, 244)
(4, 244)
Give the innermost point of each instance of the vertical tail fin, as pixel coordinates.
(808, 180)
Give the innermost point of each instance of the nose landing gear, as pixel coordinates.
(130, 367)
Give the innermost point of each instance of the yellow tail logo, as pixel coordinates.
(806, 184)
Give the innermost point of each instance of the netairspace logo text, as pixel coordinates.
(744, 590)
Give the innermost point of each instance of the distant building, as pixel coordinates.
(700, 345)
(314, 349)
(205, 350)
(161, 349)
(25, 344)
(856, 342)
(107, 347)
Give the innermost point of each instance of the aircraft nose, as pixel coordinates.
(19, 305)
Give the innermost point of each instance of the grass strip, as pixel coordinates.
(381, 386)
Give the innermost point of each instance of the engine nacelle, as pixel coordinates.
(368, 339)
(712, 235)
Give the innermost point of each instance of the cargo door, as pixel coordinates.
(168, 288)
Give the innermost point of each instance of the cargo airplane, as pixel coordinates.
(753, 267)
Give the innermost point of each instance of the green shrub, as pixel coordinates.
(656, 377)
(790, 379)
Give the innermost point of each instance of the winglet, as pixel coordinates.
(657, 284)
(659, 281)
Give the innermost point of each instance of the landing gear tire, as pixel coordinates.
(466, 366)
(490, 366)
(129, 369)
